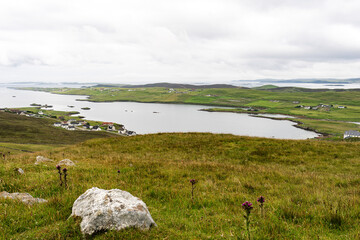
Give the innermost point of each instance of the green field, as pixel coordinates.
(268, 99)
(311, 187)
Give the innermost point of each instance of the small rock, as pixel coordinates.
(41, 159)
(19, 170)
(23, 197)
(66, 162)
(110, 210)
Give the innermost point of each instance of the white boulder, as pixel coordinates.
(66, 162)
(23, 197)
(110, 210)
(41, 159)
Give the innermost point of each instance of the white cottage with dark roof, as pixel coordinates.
(351, 134)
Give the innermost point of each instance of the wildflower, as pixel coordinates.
(247, 206)
(193, 182)
(65, 174)
(261, 200)
(118, 171)
(59, 171)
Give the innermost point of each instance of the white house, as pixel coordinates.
(57, 124)
(111, 128)
(122, 131)
(96, 128)
(351, 134)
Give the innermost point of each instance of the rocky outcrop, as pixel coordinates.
(41, 159)
(66, 162)
(110, 210)
(23, 197)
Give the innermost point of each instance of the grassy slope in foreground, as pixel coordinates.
(32, 134)
(311, 187)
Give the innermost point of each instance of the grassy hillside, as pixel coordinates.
(37, 133)
(311, 187)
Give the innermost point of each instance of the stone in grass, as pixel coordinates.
(23, 197)
(66, 162)
(41, 159)
(113, 209)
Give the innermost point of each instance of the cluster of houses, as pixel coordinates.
(186, 91)
(320, 106)
(74, 124)
(70, 124)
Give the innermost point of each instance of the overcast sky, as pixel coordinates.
(137, 41)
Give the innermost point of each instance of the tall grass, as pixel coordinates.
(311, 187)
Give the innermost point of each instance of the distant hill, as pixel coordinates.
(272, 88)
(303, 80)
(266, 87)
(168, 85)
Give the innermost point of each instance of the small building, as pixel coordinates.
(96, 128)
(351, 134)
(71, 128)
(341, 107)
(111, 128)
(122, 131)
(57, 124)
(131, 133)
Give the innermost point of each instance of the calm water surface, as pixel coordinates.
(154, 118)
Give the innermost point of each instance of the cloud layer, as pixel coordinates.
(178, 41)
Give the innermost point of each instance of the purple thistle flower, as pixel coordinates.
(193, 181)
(247, 206)
(118, 171)
(64, 170)
(261, 199)
(58, 167)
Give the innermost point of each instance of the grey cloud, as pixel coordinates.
(179, 40)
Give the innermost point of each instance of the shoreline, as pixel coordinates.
(250, 113)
